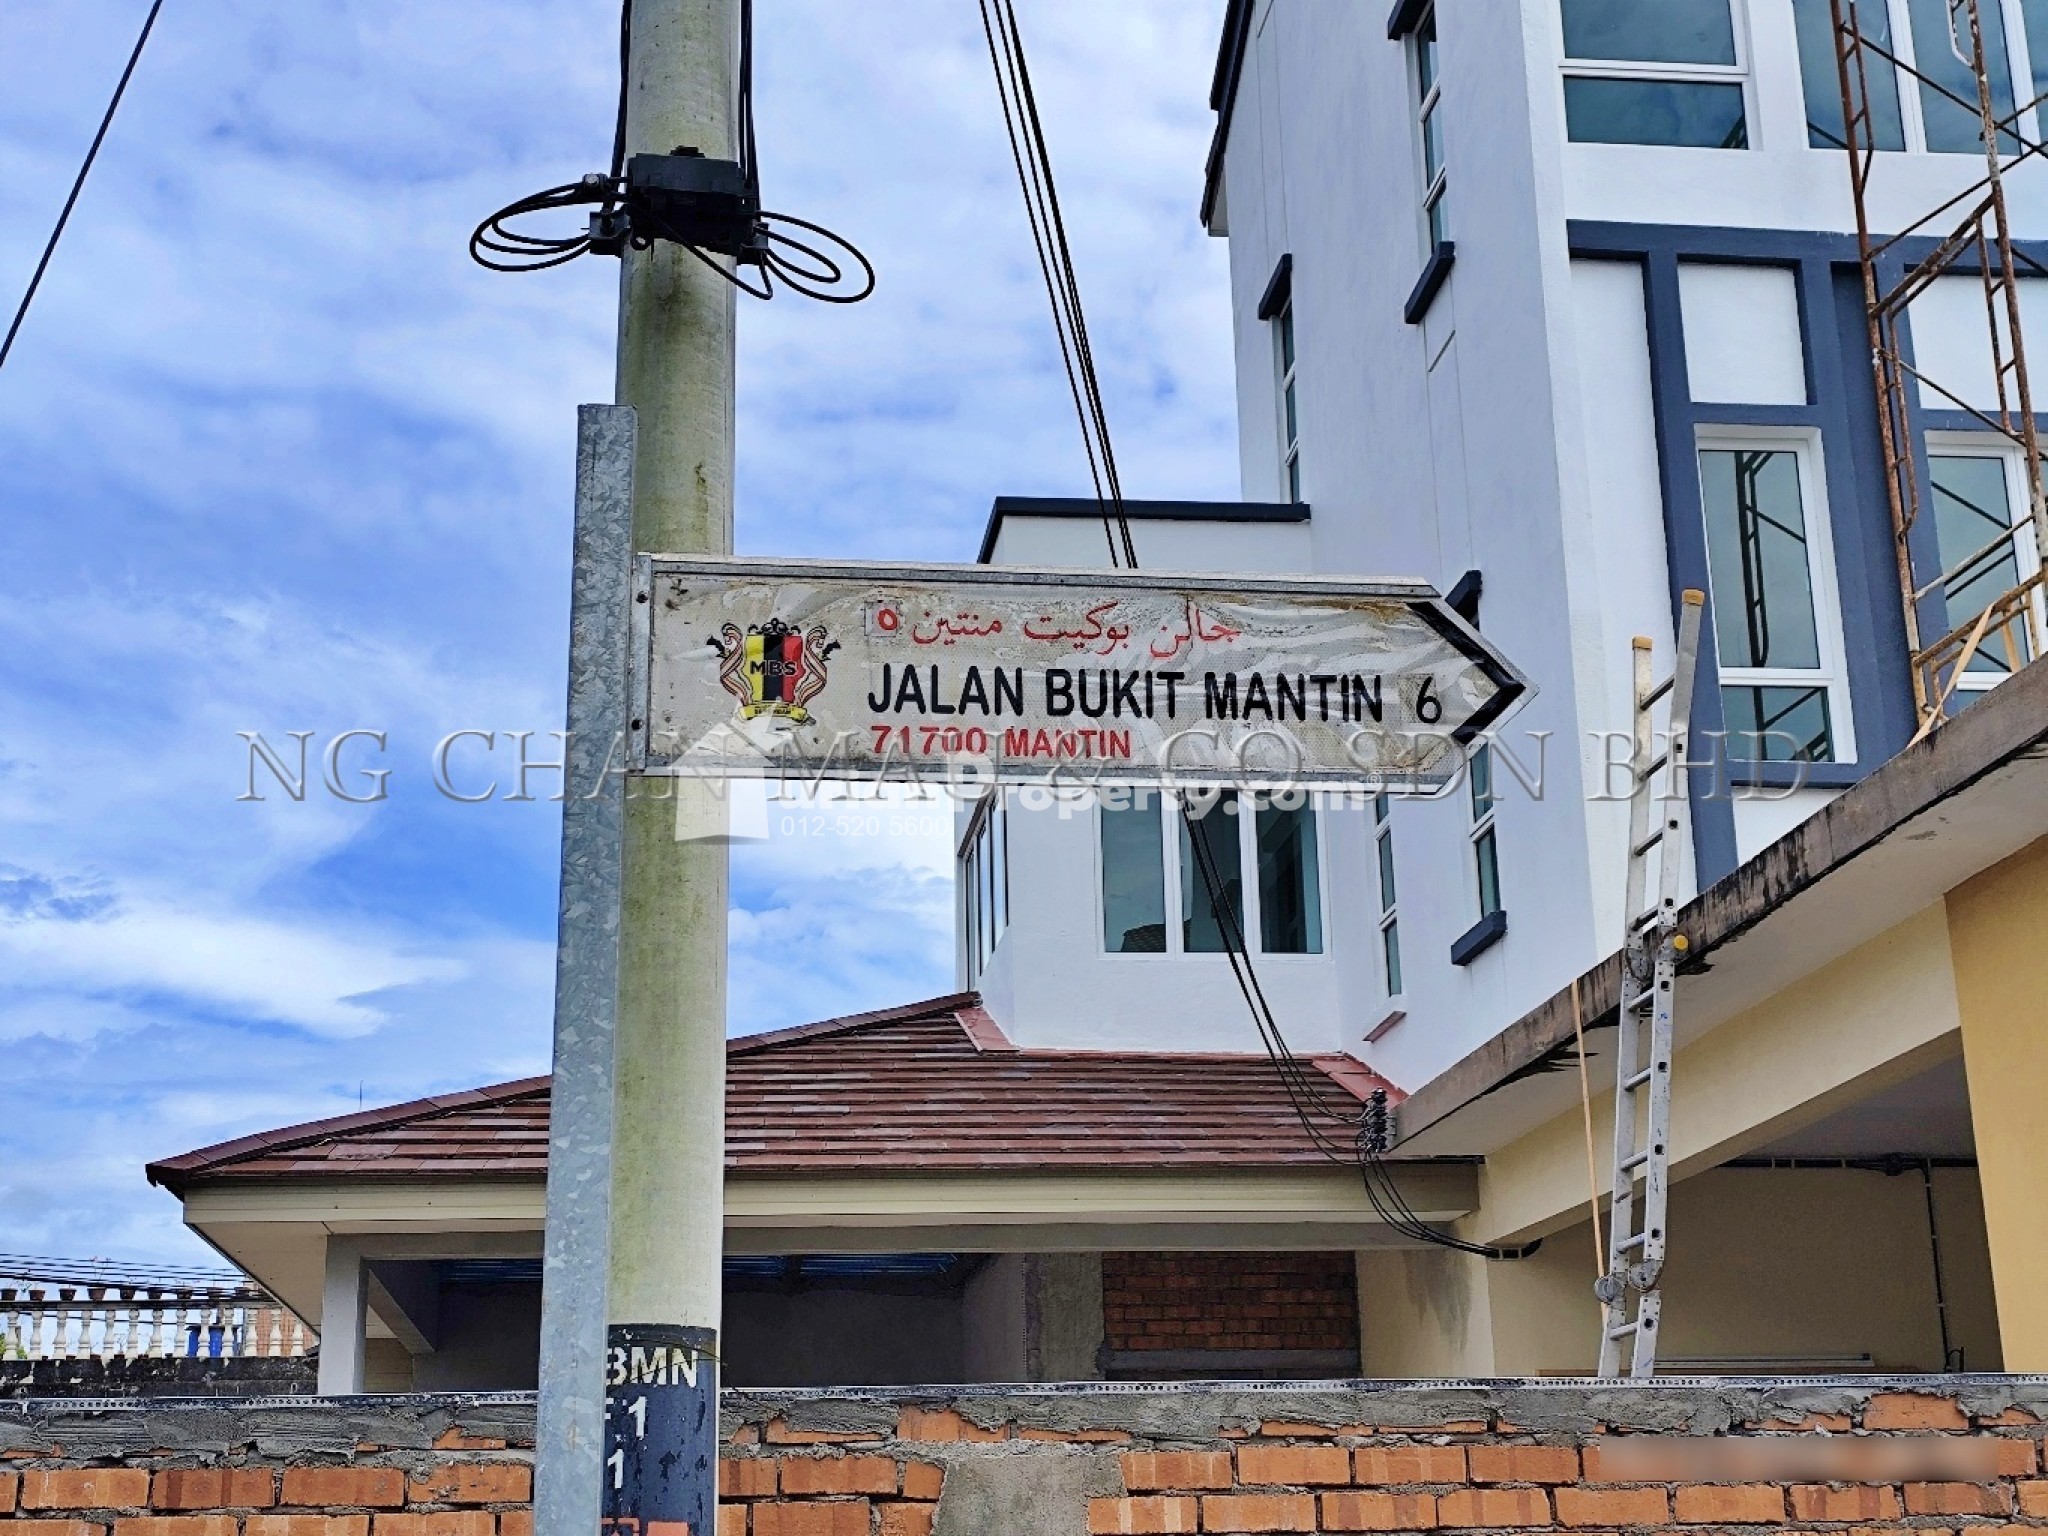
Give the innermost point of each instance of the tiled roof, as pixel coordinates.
(935, 1086)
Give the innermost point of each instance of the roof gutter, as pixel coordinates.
(2011, 723)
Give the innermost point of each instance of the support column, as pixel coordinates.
(1998, 937)
(344, 1317)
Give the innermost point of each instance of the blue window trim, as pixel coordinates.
(1465, 594)
(1479, 938)
(1405, 17)
(1842, 410)
(1279, 288)
(1427, 286)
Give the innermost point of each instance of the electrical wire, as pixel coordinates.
(1033, 160)
(1338, 1133)
(78, 184)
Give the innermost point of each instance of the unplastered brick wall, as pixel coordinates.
(1242, 1301)
(1919, 1455)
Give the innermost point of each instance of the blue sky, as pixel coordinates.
(275, 456)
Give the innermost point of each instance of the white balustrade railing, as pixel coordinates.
(42, 1320)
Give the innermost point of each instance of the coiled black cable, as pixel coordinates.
(832, 270)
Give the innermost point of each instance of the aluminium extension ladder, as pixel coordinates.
(1632, 1303)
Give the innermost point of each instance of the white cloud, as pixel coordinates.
(295, 974)
(274, 455)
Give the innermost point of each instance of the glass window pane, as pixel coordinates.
(1439, 219)
(1133, 878)
(1777, 725)
(1650, 31)
(1951, 125)
(1287, 339)
(1001, 845)
(1684, 113)
(1757, 558)
(1381, 806)
(1487, 859)
(1386, 846)
(1390, 947)
(1972, 507)
(1294, 478)
(1201, 931)
(988, 889)
(1293, 430)
(1290, 893)
(1432, 143)
(2035, 13)
(1482, 782)
(971, 885)
(1425, 52)
(1822, 77)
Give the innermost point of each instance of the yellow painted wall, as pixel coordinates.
(1777, 1262)
(1423, 1312)
(1998, 930)
(1864, 1021)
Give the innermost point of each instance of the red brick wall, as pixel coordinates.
(1950, 1457)
(1253, 1301)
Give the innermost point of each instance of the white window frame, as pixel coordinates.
(1833, 672)
(1248, 864)
(1287, 368)
(2026, 551)
(1428, 102)
(1386, 879)
(1482, 824)
(982, 865)
(1738, 73)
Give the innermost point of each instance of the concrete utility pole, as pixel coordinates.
(676, 369)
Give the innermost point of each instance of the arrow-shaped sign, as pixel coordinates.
(980, 674)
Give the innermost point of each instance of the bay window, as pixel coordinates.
(985, 882)
(1157, 899)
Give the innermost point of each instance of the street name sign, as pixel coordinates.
(999, 674)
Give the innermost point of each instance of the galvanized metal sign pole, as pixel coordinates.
(571, 1429)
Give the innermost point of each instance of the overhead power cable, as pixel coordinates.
(1335, 1124)
(78, 183)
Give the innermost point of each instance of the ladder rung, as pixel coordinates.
(1623, 1331)
(1642, 998)
(1657, 691)
(1631, 1242)
(1647, 843)
(1630, 1165)
(1638, 1080)
(1656, 765)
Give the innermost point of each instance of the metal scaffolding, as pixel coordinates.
(1971, 234)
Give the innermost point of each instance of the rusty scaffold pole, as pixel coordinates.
(1981, 238)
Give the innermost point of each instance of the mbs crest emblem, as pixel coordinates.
(773, 669)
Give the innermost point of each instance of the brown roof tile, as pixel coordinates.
(934, 1086)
